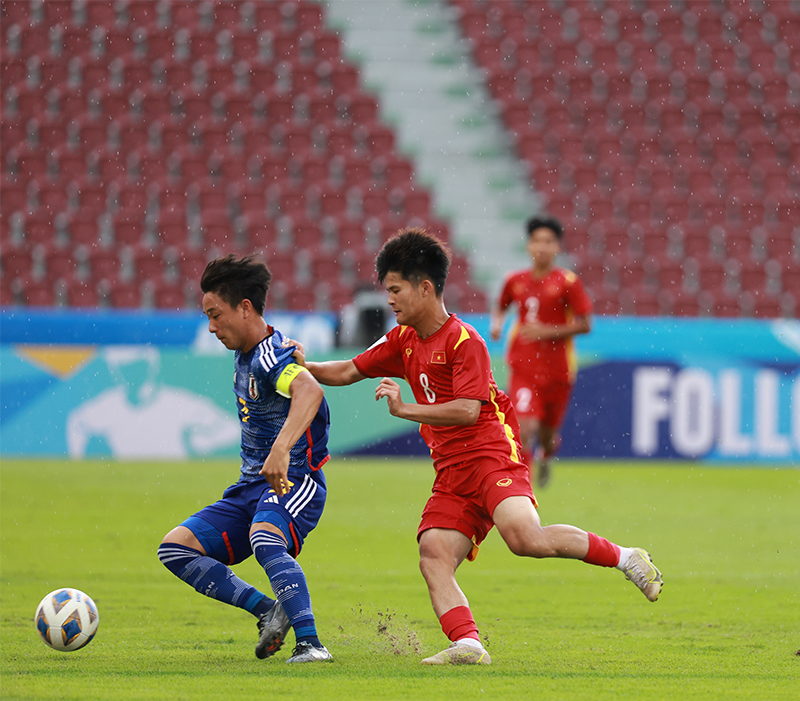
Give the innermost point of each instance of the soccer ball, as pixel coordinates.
(67, 619)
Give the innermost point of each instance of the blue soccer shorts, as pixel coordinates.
(223, 528)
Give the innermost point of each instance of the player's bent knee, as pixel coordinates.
(431, 565)
(529, 544)
(181, 535)
(270, 527)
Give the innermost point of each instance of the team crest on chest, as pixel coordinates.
(439, 358)
(252, 389)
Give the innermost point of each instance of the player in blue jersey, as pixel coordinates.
(280, 494)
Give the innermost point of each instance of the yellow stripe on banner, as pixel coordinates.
(61, 361)
(508, 430)
(287, 377)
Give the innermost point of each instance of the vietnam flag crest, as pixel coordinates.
(439, 358)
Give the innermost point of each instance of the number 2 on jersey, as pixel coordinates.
(531, 309)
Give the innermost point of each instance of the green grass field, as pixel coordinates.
(727, 624)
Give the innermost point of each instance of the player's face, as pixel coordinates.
(225, 322)
(543, 247)
(405, 299)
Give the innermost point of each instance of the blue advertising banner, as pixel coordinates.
(158, 385)
(717, 389)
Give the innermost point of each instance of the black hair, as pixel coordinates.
(545, 223)
(236, 279)
(415, 255)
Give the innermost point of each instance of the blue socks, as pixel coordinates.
(210, 577)
(288, 582)
(217, 581)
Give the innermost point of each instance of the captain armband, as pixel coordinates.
(287, 377)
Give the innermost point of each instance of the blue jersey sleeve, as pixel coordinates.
(267, 370)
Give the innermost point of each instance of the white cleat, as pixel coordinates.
(458, 653)
(644, 574)
(306, 652)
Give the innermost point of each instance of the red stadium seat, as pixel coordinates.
(208, 196)
(725, 306)
(191, 264)
(27, 163)
(38, 293)
(790, 279)
(767, 307)
(170, 227)
(127, 196)
(168, 295)
(81, 293)
(217, 230)
(375, 202)
(147, 264)
(103, 263)
(125, 295)
(752, 276)
(52, 195)
(83, 227)
(257, 228)
(632, 273)
(639, 302)
(329, 201)
(59, 264)
(9, 292)
(712, 274)
(682, 303)
(15, 204)
(16, 263)
(669, 274)
(40, 227)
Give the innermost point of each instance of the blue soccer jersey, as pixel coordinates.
(263, 403)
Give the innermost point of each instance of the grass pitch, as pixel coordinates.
(727, 624)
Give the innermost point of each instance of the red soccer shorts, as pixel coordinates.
(465, 496)
(539, 398)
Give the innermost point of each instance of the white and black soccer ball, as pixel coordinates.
(67, 619)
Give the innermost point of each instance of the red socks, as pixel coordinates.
(602, 552)
(457, 623)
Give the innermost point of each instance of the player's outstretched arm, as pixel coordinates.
(331, 372)
(496, 323)
(306, 397)
(335, 372)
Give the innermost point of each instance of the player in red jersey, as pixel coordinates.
(472, 431)
(553, 307)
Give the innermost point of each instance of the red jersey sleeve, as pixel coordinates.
(382, 358)
(577, 297)
(471, 371)
(506, 295)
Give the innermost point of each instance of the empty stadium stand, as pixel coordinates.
(140, 138)
(666, 134)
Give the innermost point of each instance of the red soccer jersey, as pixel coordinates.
(451, 364)
(552, 299)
